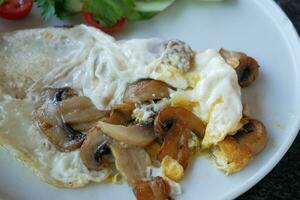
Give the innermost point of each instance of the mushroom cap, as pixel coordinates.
(170, 115)
(145, 90)
(94, 149)
(246, 67)
(48, 119)
(254, 135)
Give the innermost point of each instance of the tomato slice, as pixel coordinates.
(91, 21)
(15, 9)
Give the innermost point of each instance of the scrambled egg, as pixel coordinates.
(154, 172)
(172, 169)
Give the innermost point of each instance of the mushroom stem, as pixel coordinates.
(176, 145)
(132, 135)
(132, 162)
(175, 125)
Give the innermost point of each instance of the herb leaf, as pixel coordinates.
(109, 12)
(47, 8)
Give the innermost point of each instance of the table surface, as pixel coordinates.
(283, 182)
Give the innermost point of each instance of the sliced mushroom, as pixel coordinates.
(132, 135)
(145, 90)
(175, 125)
(157, 189)
(176, 145)
(170, 115)
(48, 119)
(246, 67)
(94, 149)
(131, 162)
(235, 152)
(79, 109)
(253, 135)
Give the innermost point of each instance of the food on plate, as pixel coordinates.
(77, 106)
(235, 152)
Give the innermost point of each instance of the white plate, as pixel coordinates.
(257, 27)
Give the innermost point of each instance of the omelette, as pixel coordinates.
(75, 102)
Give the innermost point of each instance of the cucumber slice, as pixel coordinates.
(152, 6)
(73, 6)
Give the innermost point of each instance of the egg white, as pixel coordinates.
(99, 67)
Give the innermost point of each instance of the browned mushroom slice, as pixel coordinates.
(175, 125)
(131, 162)
(246, 67)
(170, 115)
(132, 135)
(176, 145)
(158, 189)
(94, 149)
(47, 116)
(145, 90)
(235, 152)
(253, 135)
(79, 109)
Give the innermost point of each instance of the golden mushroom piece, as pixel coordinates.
(246, 67)
(235, 152)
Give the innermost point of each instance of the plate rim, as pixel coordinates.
(289, 33)
(293, 40)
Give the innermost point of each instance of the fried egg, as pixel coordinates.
(99, 67)
(91, 62)
(213, 94)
